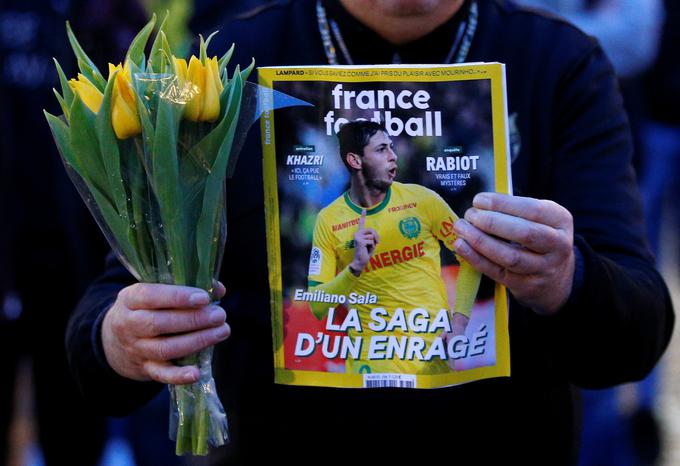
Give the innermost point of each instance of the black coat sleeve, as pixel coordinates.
(103, 389)
(618, 322)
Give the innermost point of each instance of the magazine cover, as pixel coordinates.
(362, 189)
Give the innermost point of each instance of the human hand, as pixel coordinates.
(150, 325)
(459, 323)
(524, 243)
(365, 242)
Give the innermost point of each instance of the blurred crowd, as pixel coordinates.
(50, 247)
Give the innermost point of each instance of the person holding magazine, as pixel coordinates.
(587, 307)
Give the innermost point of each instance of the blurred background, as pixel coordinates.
(45, 229)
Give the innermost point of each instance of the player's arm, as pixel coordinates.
(342, 284)
(467, 282)
(365, 242)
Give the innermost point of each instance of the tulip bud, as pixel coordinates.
(180, 68)
(207, 85)
(88, 93)
(195, 75)
(213, 89)
(124, 116)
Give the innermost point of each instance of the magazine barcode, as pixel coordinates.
(389, 381)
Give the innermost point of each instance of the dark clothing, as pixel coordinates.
(575, 150)
(663, 80)
(50, 247)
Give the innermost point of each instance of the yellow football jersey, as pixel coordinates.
(404, 271)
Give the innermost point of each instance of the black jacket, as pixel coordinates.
(574, 148)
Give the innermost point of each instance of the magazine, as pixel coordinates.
(362, 189)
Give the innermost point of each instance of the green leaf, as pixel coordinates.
(107, 213)
(140, 207)
(225, 85)
(207, 41)
(86, 66)
(202, 49)
(85, 147)
(229, 90)
(162, 55)
(148, 131)
(91, 76)
(109, 150)
(246, 73)
(212, 202)
(66, 90)
(166, 46)
(211, 266)
(155, 56)
(119, 228)
(223, 136)
(192, 177)
(61, 135)
(224, 61)
(62, 103)
(143, 106)
(136, 51)
(166, 55)
(135, 71)
(166, 185)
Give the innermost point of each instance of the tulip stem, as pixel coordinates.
(194, 423)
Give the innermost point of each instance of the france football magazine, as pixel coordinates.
(363, 186)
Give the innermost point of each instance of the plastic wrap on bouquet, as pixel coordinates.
(149, 149)
(197, 418)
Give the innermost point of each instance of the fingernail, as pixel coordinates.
(200, 298)
(461, 225)
(190, 374)
(471, 213)
(222, 332)
(461, 246)
(482, 201)
(216, 316)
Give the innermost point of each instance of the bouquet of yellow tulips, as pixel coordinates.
(149, 149)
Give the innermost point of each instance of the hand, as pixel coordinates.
(150, 325)
(365, 241)
(459, 323)
(526, 244)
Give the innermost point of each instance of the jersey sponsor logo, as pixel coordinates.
(410, 205)
(315, 261)
(446, 228)
(395, 256)
(349, 245)
(342, 226)
(410, 227)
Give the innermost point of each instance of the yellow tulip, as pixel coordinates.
(124, 116)
(207, 87)
(180, 68)
(88, 93)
